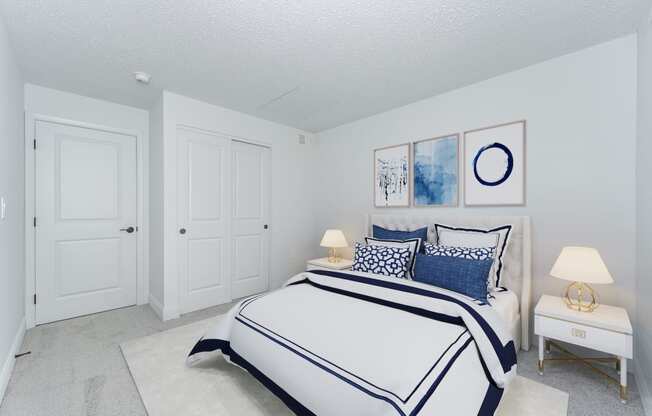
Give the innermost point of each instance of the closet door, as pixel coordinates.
(203, 171)
(250, 219)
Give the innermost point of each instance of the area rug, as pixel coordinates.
(216, 388)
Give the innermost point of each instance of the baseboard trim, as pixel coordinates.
(644, 391)
(164, 314)
(156, 306)
(10, 361)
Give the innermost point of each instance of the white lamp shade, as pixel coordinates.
(581, 264)
(333, 239)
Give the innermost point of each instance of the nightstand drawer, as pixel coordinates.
(323, 263)
(310, 267)
(594, 338)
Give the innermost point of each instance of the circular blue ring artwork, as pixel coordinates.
(508, 168)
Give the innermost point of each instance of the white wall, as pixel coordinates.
(292, 220)
(581, 132)
(41, 101)
(644, 217)
(12, 284)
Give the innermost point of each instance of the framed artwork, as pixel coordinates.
(494, 165)
(436, 171)
(392, 176)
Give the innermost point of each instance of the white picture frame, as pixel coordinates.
(393, 176)
(436, 160)
(494, 165)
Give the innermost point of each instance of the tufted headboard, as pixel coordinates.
(517, 260)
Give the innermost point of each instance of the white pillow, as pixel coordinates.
(497, 237)
(414, 244)
(467, 239)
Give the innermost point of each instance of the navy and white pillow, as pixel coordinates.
(385, 234)
(387, 261)
(470, 253)
(497, 237)
(414, 244)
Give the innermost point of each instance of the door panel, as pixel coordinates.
(248, 182)
(205, 165)
(78, 198)
(97, 258)
(202, 172)
(250, 216)
(202, 264)
(85, 193)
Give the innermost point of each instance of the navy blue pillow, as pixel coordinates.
(385, 234)
(465, 276)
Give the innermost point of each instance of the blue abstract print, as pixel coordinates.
(436, 171)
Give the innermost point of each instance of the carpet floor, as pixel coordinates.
(76, 368)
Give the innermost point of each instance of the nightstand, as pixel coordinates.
(607, 329)
(323, 263)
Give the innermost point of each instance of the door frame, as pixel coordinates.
(232, 138)
(142, 202)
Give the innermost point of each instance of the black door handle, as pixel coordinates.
(128, 229)
(182, 231)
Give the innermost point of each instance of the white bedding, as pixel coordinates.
(506, 305)
(346, 343)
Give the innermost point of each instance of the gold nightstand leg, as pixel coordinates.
(623, 394)
(623, 379)
(540, 365)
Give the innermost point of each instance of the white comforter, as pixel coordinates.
(345, 343)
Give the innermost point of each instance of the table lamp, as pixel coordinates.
(581, 265)
(333, 239)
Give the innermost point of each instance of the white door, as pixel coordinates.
(202, 208)
(250, 222)
(86, 211)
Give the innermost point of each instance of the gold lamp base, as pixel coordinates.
(332, 256)
(578, 303)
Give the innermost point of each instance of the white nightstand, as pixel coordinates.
(323, 263)
(607, 329)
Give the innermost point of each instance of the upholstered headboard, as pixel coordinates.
(517, 260)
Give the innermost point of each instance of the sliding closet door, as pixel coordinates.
(250, 224)
(203, 171)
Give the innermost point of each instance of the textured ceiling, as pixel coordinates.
(306, 63)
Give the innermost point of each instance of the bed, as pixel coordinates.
(352, 343)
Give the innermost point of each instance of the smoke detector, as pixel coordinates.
(142, 77)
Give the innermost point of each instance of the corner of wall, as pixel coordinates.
(164, 314)
(10, 360)
(644, 390)
(643, 352)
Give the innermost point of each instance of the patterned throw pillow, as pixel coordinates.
(471, 253)
(465, 276)
(388, 261)
(414, 245)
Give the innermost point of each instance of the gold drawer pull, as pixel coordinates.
(578, 333)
